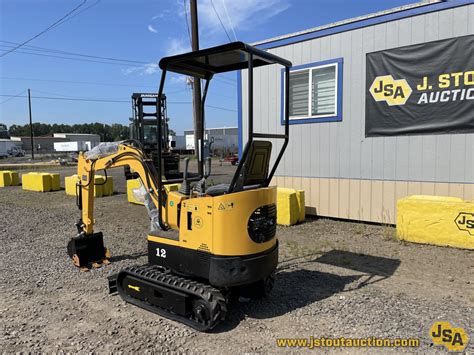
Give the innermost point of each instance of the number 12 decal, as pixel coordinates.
(161, 253)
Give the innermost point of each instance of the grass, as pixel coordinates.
(389, 233)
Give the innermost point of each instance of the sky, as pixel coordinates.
(134, 35)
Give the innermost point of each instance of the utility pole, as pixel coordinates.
(31, 127)
(197, 110)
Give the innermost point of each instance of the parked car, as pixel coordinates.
(16, 152)
(233, 159)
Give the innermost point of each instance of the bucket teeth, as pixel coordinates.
(88, 251)
(95, 265)
(75, 260)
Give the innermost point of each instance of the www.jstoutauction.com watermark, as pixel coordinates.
(369, 342)
(441, 333)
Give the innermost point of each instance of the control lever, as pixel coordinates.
(200, 187)
(207, 167)
(185, 188)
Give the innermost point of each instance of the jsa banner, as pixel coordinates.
(421, 89)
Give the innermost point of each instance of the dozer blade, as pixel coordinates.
(87, 250)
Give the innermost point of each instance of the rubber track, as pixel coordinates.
(163, 277)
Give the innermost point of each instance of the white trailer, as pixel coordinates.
(71, 146)
(189, 141)
(179, 142)
(6, 147)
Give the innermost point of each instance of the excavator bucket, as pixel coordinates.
(87, 250)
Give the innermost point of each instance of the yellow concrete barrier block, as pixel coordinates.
(135, 184)
(131, 185)
(99, 185)
(14, 177)
(108, 187)
(287, 207)
(40, 182)
(283, 209)
(301, 205)
(446, 221)
(5, 178)
(101, 188)
(9, 178)
(55, 181)
(70, 184)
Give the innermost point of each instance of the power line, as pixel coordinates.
(76, 59)
(223, 27)
(221, 108)
(73, 99)
(57, 51)
(76, 82)
(110, 84)
(226, 79)
(187, 23)
(80, 12)
(17, 95)
(228, 19)
(109, 100)
(50, 27)
(93, 98)
(224, 82)
(76, 97)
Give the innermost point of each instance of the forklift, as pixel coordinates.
(213, 242)
(144, 129)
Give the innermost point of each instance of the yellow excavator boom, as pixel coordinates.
(126, 155)
(87, 248)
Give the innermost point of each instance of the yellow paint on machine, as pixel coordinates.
(136, 288)
(9, 178)
(290, 206)
(205, 220)
(437, 220)
(40, 182)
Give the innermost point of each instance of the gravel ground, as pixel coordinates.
(335, 279)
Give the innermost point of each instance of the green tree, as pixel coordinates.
(119, 132)
(106, 132)
(4, 131)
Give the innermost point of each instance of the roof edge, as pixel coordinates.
(400, 12)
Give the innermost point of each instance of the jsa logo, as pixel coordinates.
(465, 222)
(394, 92)
(454, 339)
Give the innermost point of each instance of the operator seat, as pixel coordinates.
(252, 170)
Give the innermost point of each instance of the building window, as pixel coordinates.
(315, 92)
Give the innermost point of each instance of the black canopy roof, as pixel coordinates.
(228, 57)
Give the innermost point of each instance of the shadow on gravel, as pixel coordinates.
(133, 256)
(293, 290)
(296, 288)
(377, 268)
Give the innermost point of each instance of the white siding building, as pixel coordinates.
(344, 172)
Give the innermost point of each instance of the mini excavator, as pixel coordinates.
(211, 241)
